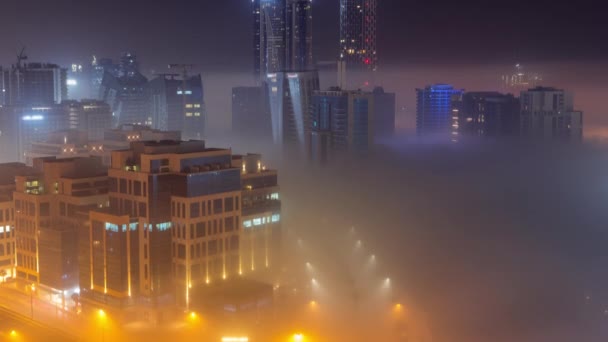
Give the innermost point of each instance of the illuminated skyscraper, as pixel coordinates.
(434, 109)
(299, 35)
(358, 21)
(270, 47)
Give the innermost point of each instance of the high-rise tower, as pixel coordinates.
(358, 22)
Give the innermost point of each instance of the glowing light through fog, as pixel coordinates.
(235, 339)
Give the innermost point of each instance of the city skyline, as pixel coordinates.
(303, 171)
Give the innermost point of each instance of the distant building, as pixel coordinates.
(434, 110)
(341, 121)
(548, 113)
(290, 95)
(126, 93)
(358, 29)
(384, 113)
(99, 67)
(177, 105)
(90, 116)
(269, 37)
(34, 84)
(20, 126)
(78, 81)
(486, 114)
(298, 32)
(519, 80)
(76, 143)
(51, 202)
(250, 112)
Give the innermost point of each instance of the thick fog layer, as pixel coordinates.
(485, 241)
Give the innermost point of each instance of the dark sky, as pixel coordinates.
(218, 33)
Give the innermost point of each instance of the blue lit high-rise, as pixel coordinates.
(434, 109)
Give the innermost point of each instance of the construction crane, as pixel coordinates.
(184, 69)
(21, 57)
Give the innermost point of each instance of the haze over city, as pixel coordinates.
(298, 170)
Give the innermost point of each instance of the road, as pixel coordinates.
(26, 329)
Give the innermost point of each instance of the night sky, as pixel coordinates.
(216, 34)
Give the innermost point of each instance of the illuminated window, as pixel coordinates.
(276, 218)
(197, 105)
(274, 196)
(257, 221)
(111, 227)
(197, 114)
(163, 226)
(189, 105)
(189, 114)
(247, 223)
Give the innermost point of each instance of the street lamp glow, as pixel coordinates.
(298, 337)
(101, 313)
(13, 333)
(235, 339)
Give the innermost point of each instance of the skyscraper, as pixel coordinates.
(486, 114)
(126, 93)
(34, 84)
(99, 67)
(270, 55)
(250, 112)
(358, 21)
(299, 35)
(290, 95)
(177, 105)
(548, 113)
(434, 110)
(340, 121)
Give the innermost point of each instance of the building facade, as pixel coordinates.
(384, 113)
(260, 238)
(434, 116)
(250, 112)
(20, 126)
(126, 93)
(178, 105)
(8, 172)
(50, 205)
(340, 122)
(485, 114)
(358, 28)
(548, 113)
(298, 32)
(290, 95)
(34, 84)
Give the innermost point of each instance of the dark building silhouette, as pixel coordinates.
(34, 84)
(548, 113)
(486, 114)
(384, 113)
(177, 105)
(250, 112)
(340, 122)
(126, 93)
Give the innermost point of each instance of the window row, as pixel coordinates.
(202, 229)
(205, 208)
